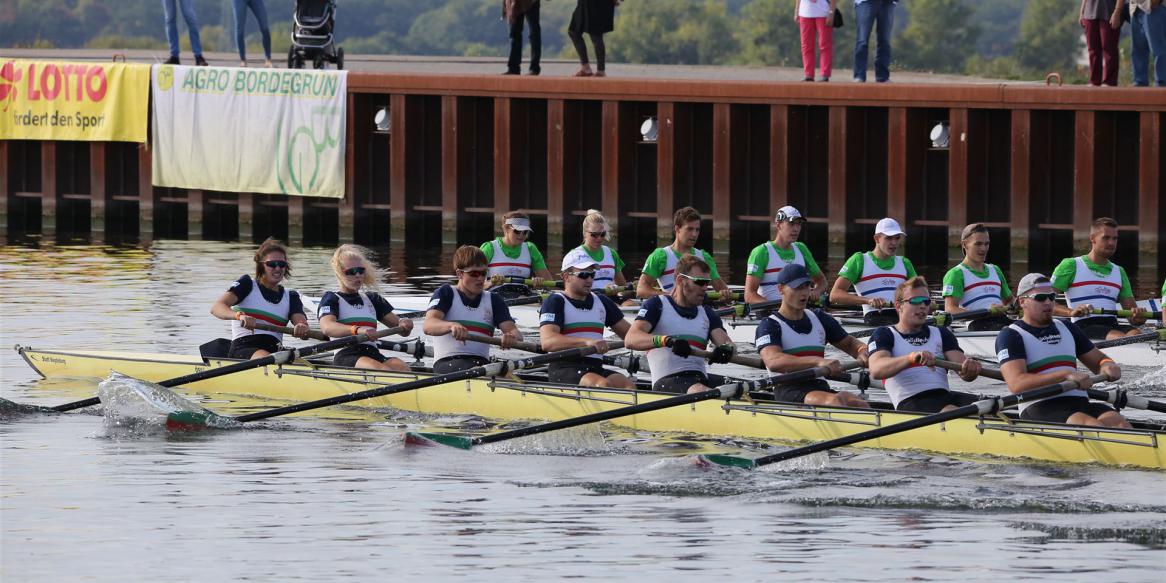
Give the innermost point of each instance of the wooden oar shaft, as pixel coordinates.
(1120, 398)
(313, 334)
(1127, 313)
(985, 371)
(741, 359)
(497, 341)
(510, 302)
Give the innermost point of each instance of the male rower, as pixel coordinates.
(576, 317)
(874, 275)
(511, 255)
(904, 355)
(1092, 281)
(794, 338)
(670, 326)
(1039, 350)
(975, 284)
(455, 311)
(659, 273)
(769, 258)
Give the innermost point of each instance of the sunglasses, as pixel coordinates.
(584, 274)
(354, 271)
(277, 264)
(1042, 297)
(473, 272)
(521, 233)
(917, 301)
(701, 281)
(597, 234)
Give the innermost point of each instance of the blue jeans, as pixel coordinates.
(172, 25)
(259, 8)
(866, 15)
(1149, 43)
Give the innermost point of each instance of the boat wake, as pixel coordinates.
(135, 407)
(579, 441)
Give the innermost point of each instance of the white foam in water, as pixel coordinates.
(814, 461)
(584, 440)
(1155, 379)
(135, 405)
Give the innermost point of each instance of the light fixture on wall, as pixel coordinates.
(650, 130)
(382, 120)
(941, 136)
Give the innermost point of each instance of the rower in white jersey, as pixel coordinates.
(904, 355)
(794, 338)
(670, 326)
(350, 311)
(1038, 350)
(659, 273)
(262, 299)
(1092, 281)
(609, 266)
(456, 311)
(768, 259)
(576, 317)
(512, 255)
(975, 284)
(875, 275)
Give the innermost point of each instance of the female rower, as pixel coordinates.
(975, 284)
(609, 269)
(511, 255)
(349, 311)
(262, 299)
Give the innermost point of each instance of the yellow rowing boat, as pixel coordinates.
(510, 400)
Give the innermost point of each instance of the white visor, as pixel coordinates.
(519, 224)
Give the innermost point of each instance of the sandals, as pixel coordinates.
(584, 73)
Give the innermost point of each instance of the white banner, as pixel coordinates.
(275, 131)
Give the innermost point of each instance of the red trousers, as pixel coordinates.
(1101, 40)
(812, 27)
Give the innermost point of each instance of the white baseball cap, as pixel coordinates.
(788, 213)
(889, 227)
(578, 259)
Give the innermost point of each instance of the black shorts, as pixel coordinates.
(1059, 409)
(244, 346)
(348, 356)
(934, 400)
(681, 381)
(1098, 327)
(989, 324)
(571, 372)
(797, 393)
(883, 317)
(456, 363)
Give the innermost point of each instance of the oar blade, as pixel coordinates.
(724, 460)
(430, 439)
(134, 404)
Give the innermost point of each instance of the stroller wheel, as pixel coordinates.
(339, 58)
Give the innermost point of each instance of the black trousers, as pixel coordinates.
(514, 64)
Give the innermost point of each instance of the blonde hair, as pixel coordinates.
(372, 275)
(913, 283)
(596, 218)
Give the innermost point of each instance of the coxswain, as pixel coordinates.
(456, 311)
(975, 284)
(659, 273)
(794, 338)
(1092, 282)
(261, 299)
(512, 255)
(576, 317)
(350, 311)
(670, 326)
(769, 258)
(875, 275)
(904, 355)
(1039, 350)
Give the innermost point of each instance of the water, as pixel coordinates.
(335, 496)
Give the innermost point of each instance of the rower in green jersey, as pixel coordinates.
(768, 259)
(875, 275)
(975, 284)
(511, 255)
(609, 266)
(1093, 281)
(659, 274)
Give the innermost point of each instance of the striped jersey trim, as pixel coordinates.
(1051, 362)
(478, 327)
(261, 315)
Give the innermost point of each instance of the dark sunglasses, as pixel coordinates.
(275, 264)
(521, 233)
(597, 234)
(584, 274)
(1042, 297)
(473, 272)
(701, 281)
(354, 271)
(917, 301)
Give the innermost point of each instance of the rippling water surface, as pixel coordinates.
(335, 496)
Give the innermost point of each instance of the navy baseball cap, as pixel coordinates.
(793, 275)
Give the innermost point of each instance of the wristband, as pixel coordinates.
(239, 315)
(1105, 361)
(658, 341)
(355, 329)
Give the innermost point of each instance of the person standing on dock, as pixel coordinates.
(670, 326)
(350, 311)
(659, 274)
(874, 275)
(816, 23)
(794, 338)
(261, 299)
(595, 18)
(170, 15)
(512, 256)
(868, 13)
(456, 311)
(904, 355)
(514, 11)
(1038, 351)
(768, 259)
(1148, 40)
(1092, 281)
(975, 284)
(259, 9)
(576, 317)
(1102, 21)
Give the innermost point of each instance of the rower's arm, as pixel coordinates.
(334, 329)
(639, 336)
(621, 328)
(435, 323)
(719, 337)
(544, 273)
(885, 366)
(819, 280)
(720, 285)
(752, 284)
(646, 287)
(1018, 378)
(619, 278)
(840, 294)
(856, 348)
(1094, 359)
(952, 305)
(221, 309)
(776, 360)
(551, 339)
(1062, 311)
(508, 328)
(298, 318)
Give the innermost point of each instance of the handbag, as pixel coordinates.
(837, 18)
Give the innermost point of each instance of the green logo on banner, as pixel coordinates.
(301, 148)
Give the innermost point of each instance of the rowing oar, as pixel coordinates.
(281, 357)
(192, 420)
(528, 282)
(1119, 398)
(313, 334)
(624, 361)
(1127, 313)
(726, 392)
(944, 318)
(986, 406)
(1159, 335)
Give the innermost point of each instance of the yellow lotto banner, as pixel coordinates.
(56, 100)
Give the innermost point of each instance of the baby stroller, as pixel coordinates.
(311, 38)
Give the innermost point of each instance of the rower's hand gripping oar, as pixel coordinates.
(726, 392)
(313, 334)
(188, 420)
(281, 357)
(987, 406)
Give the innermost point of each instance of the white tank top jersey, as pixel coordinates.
(605, 271)
(695, 331)
(981, 292)
(257, 306)
(768, 287)
(479, 320)
(580, 323)
(916, 379)
(668, 279)
(505, 266)
(812, 343)
(877, 282)
(365, 315)
(1090, 288)
(1049, 355)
